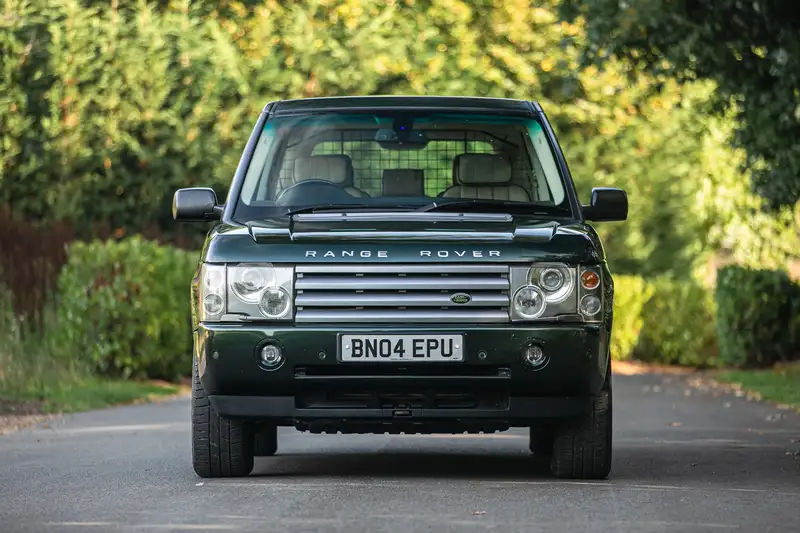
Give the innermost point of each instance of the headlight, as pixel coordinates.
(248, 282)
(551, 279)
(254, 290)
(529, 302)
(274, 302)
(556, 282)
(262, 291)
(546, 290)
(212, 291)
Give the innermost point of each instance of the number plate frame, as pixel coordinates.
(457, 337)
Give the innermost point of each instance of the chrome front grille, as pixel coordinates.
(401, 293)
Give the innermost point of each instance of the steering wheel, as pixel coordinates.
(318, 191)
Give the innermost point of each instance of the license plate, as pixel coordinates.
(411, 348)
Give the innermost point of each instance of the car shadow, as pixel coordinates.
(696, 465)
(404, 465)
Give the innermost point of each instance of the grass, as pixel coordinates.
(37, 377)
(779, 385)
(82, 395)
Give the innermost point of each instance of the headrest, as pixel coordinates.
(481, 169)
(337, 168)
(403, 182)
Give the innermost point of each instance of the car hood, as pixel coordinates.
(403, 237)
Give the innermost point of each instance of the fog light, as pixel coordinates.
(533, 355)
(271, 356)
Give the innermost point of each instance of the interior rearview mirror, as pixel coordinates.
(607, 205)
(195, 204)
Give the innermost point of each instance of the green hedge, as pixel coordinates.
(125, 305)
(630, 295)
(758, 316)
(663, 321)
(678, 325)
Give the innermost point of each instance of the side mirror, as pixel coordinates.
(607, 205)
(195, 204)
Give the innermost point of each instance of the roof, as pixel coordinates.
(506, 106)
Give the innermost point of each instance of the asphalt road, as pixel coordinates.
(685, 461)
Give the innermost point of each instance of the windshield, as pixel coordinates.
(401, 161)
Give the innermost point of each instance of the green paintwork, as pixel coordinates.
(578, 354)
(572, 243)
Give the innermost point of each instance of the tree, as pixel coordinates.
(134, 102)
(750, 49)
(111, 112)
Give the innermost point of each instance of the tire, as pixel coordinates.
(582, 447)
(220, 447)
(266, 442)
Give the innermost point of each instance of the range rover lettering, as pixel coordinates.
(402, 265)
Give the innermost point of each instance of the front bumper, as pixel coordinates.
(492, 383)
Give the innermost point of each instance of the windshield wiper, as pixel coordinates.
(345, 207)
(494, 206)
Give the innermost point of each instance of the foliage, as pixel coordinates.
(664, 320)
(678, 324)
(24, 81)
(111, 112)
(740, 220)
(32, 360)
(41, 374)
(116, 104)
(758, 316)
(126, 306)
(630, 295)
(652, 154)
(750, 49)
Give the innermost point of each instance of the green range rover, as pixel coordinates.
(402, 265)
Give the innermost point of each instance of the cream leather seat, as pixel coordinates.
(336, 168)
(485, 177)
